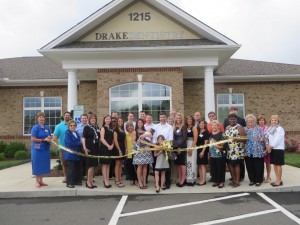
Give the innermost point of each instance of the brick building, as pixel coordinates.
(143, 55)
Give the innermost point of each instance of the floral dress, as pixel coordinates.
(236, 149)
(254, 147)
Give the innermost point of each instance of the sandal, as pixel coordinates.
(221, 185)
(276, 185)
(119, 184)
(234, 185)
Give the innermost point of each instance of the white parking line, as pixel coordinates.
(283, 210)
(239, 217)
(115, 217)
(182, 205)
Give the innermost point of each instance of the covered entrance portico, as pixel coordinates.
(186, 49)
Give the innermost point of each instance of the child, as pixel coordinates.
(161, 165)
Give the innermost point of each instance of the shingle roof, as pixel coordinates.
(142, 43)
(249, 67)
(28, 68)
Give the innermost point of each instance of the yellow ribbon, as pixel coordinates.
(166, 147)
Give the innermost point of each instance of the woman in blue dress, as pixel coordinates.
(40, 150)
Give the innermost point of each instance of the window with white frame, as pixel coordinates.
(134, 97)
(51, 106)
(225, 101)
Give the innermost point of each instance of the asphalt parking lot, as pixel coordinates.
(175, 209)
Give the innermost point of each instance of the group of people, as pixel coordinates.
(234, 143)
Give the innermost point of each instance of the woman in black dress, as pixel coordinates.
(119, 150)
(179, 141)
(202, 153)
(107, 145)
(90, 143)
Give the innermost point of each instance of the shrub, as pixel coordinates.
(22, 154)
(292, 145)
(2, 146)
(12, 148)
(2, 156)
(53, 153)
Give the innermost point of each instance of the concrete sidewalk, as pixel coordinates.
(17, 182)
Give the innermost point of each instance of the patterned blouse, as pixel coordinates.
(254, 147)
(236, 149)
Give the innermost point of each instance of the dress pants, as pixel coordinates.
(218, 169)
(255, 169)
(73, 173)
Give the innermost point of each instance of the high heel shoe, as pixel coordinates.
(157, 190)
(106, 186)
(90, 187)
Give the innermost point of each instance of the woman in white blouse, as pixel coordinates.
(275, 145)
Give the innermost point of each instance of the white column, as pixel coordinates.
(72, 89)
(209, 91)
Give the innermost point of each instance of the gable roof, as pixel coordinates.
(143, 43)
(115, 6)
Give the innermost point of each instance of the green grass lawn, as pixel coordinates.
(11, 163)
(292, 159)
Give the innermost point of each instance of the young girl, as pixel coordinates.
(161, 165)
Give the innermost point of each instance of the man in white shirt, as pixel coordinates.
(130, 118)
(197, 118)
(165, 129)
(173, 113)
(148, 125)
(143, 116)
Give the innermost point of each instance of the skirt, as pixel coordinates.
(277, 157)
(191, 165)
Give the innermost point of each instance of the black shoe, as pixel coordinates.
(90, 187)
(201, 184)
(251, 183)
(179, 185)
(257, 184)
(70, 186)
(106, 186)
(215, 185)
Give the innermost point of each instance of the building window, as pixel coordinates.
(134, 97)
(51, 106)
(225, 101)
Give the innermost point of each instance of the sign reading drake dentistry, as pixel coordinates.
(140, 22)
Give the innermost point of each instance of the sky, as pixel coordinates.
(268, 30)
